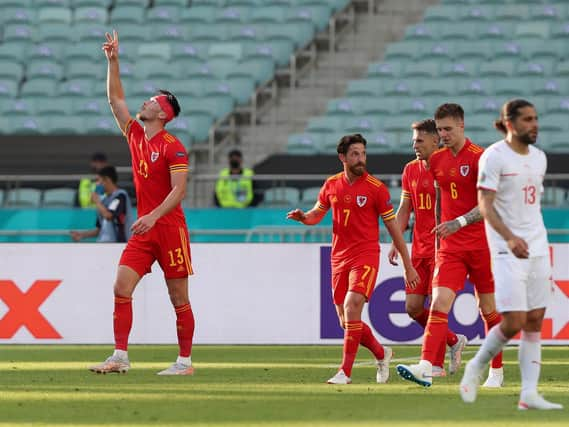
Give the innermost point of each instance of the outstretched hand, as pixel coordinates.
(111, 46)
(296, 215)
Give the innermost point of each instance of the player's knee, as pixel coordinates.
(413, 310)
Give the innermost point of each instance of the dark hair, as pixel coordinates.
(509, 112)
(172, 100)
(348, 140)
(99, 156)
(109, 172)
(426, 125)
(235, 153)
(449, 110)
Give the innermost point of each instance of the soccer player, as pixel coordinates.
(160, 168)
(357, 200)
(463, 249)
(510, 183)
(418, 196)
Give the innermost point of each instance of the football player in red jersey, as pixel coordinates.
(357, 200)
(160, 169)
(418, 196)
(463, 250)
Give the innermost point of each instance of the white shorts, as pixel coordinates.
(522, 284)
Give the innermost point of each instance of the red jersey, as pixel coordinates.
(152, 162)
(456, 177)
(355, 216)
(417, 185)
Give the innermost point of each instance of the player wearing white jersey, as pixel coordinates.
(510, 183)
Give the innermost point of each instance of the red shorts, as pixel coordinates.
(452, 269)
(425, 268)
(360, 278)
(167, 244)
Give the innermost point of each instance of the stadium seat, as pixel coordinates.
(493, 30)
(200, 125)
(11, 71)
(8, 88)
(44, 52)
(197, 15)
(476, 13)
(549, 86)
(18, 15)
(406, 50)
(153, 68)
(269, 14)
(126, 14)
(155, 50)
(217, 105)
(281, 196)
(458, 31)
(556, 104)
(462, 68)
(17, 33)
(469, 50)
(498, 68)
(180, 128)
(554, 196)
(166, 14)
(261, 69)
(170, 33)
(364, 87)
(101, 125)
(91, 15)
(304, 143)
(547, 12)
(363, 124)
(85, 69)
(538, 67)
(386, 69)
(436, 87)
(241, 88)
(88, 32)
(318, 15)
(400, 122)
(380, 106)
(466, 86)
(426, 68)
(187, 87)
(345, 106)
(416, 105)
(479, 122)
(486, 138)
(59, 197)
(10, 53)
(53, 33)
(560, 30)
(381, 142)
(441, 14)
(309, 195)
(180, 3)
(562, 68)
(38, 87)
(486, 104)
(554, 122)
(53, 106)
(44, 69)
(23, 198)
(62, 125)
(84, 106)
(59, 15)
(326, 124)
(532, 30)
(401, 87)
(422, 31)
(511, 12)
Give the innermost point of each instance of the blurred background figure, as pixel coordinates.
(87, 186)
(235, 187)
(114, 210)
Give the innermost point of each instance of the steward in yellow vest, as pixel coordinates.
(234, 187)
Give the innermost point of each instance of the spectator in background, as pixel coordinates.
(87, 186)
(234, 187)
(114, 210)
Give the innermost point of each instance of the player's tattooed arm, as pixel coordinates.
(473, 216)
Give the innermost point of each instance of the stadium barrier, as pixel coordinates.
(241, 294)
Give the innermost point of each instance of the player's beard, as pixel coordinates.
(528, 138)
(141, 116)
(358, 169)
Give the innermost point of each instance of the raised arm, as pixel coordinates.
(115, 91)
(517, 245)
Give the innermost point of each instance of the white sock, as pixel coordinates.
(492, 345)
(529, 356)
(184, 360)
(123, 354)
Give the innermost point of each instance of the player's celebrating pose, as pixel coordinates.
(510, 182)
(357, 200)
(418, 196)
(463, 247)
(160, 168)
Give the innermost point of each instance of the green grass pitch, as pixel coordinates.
(253, 386)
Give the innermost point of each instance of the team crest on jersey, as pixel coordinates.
(464, 169)
(361, 201)
(154, 156)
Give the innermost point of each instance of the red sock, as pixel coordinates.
(491, 320)
(435, 333)
(452, 339)
(371, 343)
(352, 337)
(122, 321)
(422, 318)
(185, 327)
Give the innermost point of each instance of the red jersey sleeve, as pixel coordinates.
(133, 130)
(384, 205)
(176, 155)
(323, 200)
(405, 185)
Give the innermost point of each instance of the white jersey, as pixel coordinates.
(518, 182)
